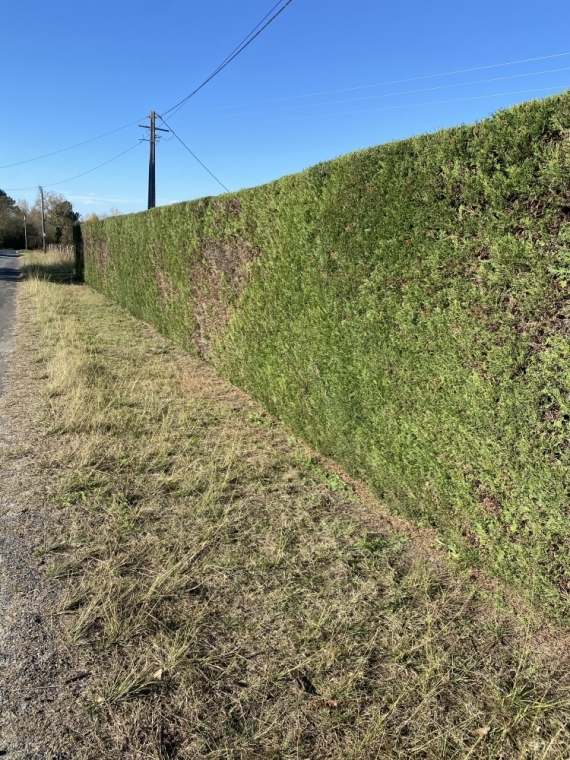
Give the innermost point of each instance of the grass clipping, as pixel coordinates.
(224, 597)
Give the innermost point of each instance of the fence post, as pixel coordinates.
(79, 258)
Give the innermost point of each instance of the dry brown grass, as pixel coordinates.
(225, 596)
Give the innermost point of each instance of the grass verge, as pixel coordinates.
(221, 590)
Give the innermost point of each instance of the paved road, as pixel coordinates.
(9, 276)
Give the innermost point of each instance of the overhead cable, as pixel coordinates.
(395, 108)
(249, 39)
(61, 182)
(386, 84)
(375, 97)
(247, 36)
(77, 145)
(193, 154)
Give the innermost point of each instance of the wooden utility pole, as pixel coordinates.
(151, 165)
(44, 241)
(152, 159)
(25, 233)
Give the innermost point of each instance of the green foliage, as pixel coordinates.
(11, 223)
(60, 218)
(59, 215)
(405, 310)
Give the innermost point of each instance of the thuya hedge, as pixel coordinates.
(405, 310)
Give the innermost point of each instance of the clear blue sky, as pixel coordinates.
(73, 70)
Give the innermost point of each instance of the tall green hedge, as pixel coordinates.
(405, 310)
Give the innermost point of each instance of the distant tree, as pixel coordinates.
(60, 217)
(11, 223)
(24, 206)
(33, 223)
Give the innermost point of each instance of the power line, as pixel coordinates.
(247, 36)
(384, 95)
(230, 58)
(386, 84)
(61, 182)
(77, 145)
(395, 108)
(193, 154)
(95, 167)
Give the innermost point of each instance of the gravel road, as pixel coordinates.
(40, 680)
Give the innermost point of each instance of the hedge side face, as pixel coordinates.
(405, 310)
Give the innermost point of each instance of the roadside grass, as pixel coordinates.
(54, 266)
(232, 597)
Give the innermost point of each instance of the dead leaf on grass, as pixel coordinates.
(323, 703)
